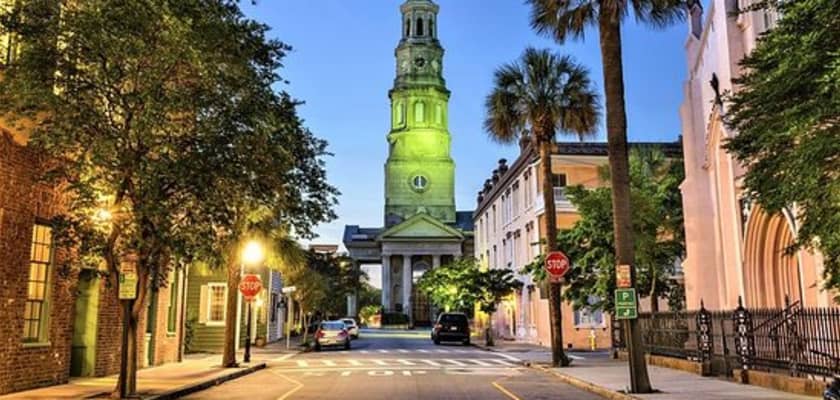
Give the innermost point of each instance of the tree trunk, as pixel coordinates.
(555, 301)
(488, 333)
(229, 350)
(305, 322)
(610, 38)
(131, 309)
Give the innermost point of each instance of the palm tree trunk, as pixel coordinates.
(231, 320)
(610, 37)
(555, 302)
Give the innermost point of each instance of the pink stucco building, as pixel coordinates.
(734, 248)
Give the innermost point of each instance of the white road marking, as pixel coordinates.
(330, 363)
(406, 362)
(479, 362)
(432, 363)
(441, 351)
(502, 362)
(422, 351)
(380, 373)
(509, 357)
(403, 351)
(302, 364)
(380, 362)
(364, 351)
(383, 351)
(354, 362)
(345, 373)
(455, 362)
(574, 357)
(284, 358)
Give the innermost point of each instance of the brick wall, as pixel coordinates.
(23, 199)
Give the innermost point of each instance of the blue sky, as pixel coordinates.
(342, 66)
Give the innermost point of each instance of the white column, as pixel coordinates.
(386, 282)
(406, 286)
(436, 261)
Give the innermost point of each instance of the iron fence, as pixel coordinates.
(797, 340)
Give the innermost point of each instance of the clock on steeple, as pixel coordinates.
(419, 172)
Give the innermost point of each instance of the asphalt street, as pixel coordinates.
(396, 365)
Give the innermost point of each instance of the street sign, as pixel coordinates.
(556, 264)
(625, 304)
(622, 276)
(128, 281)
(288, 289)
(250, 286)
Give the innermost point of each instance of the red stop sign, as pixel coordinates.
(557, 264)
(250, 286)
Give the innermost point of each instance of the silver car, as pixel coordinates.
(332, 333)
(352, 327)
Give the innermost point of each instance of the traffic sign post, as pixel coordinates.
(288, 290)
(626, 306)
(128, 281)
(250, 286)
(557, 265)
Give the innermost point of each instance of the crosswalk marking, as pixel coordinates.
(455, 362)
(383, 351)
(422, 351)
(441, 351)
(364, 351)
(329, 363)
(479, 362)
(354, 363)
(406, 362)
(403, 351)
(431, 362)
(302, 363)
(502, 362)
(380, 362)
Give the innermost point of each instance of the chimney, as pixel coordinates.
(502, 166)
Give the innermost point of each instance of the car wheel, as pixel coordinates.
(317, 347)
(437, 341)
(466, 342)
(347, 345)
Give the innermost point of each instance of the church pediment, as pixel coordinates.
(421, 226)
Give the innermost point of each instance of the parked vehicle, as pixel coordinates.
(352, 327)
(332, 333)
(451, 327)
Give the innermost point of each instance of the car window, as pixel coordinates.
(332, 326)
(453, 318)
(349, 322)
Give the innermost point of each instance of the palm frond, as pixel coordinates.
(660, 13)
(563, 19)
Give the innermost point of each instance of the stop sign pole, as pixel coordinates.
(249, 286)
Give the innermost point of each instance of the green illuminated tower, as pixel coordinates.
(419, 173)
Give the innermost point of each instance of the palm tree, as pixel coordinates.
(563, 19)
(539, 96)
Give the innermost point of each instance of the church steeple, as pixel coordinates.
(419, 174)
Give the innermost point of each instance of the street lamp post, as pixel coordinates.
(247, 357)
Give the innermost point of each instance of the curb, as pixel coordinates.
(588, 386)
(197, 387)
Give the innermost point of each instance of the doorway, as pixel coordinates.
(83, 350)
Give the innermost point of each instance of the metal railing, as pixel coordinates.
(799, 341)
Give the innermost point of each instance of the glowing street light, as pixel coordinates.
(252, 253)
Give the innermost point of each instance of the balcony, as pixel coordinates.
(561, 202)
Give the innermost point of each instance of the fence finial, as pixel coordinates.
(702, 306)
(740, 302)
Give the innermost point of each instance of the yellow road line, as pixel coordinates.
(293, 390)
(502, 389)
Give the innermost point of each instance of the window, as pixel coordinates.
(274, 306)
(408, 27)
(559, 180)
(40, 262)
(419, 111)
(515, 198)
(527, 183)
(399, 113)
(419, 27)
(493, 221)
(217, 297)
(172, 308)
(438, 114)
(432, 28)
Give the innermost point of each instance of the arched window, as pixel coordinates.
(438, 114)
(408, 27)
(419, 111)
(432, 32)
(419, 27)
(399, 113)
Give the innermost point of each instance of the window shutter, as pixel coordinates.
(202, 305)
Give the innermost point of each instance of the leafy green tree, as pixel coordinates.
(452, 286)
(161, 112)
(492, 286)
(537, 97)
(657, 229)
(562, 20)
(786, 112)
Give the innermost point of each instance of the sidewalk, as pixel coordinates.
(598, 372)
(160, 382)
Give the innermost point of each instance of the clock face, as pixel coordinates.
(419, 62)
(419, 183)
